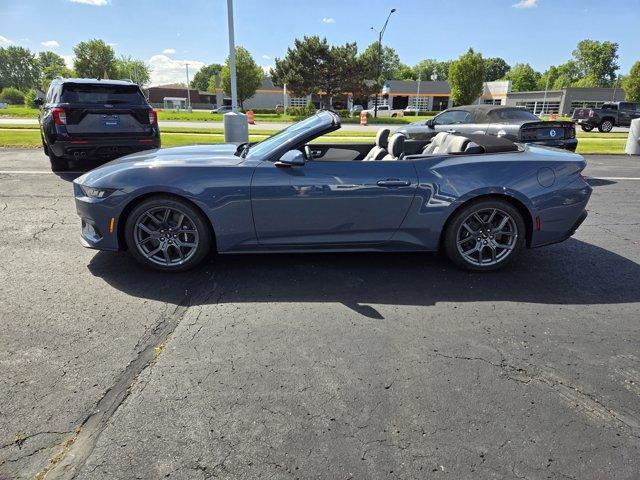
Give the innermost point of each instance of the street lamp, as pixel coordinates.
(380, 35)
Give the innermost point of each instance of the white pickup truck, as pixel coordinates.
(384, 111)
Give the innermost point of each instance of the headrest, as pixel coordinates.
(382, 137)
(440, 138)
(396, 145)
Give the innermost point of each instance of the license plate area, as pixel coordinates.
(111, 121)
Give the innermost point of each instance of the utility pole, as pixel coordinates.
(188, 90)
(418, 93)
(544, 99)
(380, 35)
(232, 57)
(284, 99)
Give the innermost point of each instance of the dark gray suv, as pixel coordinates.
(85, 118)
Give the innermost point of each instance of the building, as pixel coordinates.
(564, 101)
(175, 96)
(434, 96)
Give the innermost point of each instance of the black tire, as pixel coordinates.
(586, 128)
(57, 164)
(455, 229)
(186, 259)
(605, 126)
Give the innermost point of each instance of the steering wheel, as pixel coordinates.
(307, 152)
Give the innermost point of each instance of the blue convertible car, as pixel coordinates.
(479, 198)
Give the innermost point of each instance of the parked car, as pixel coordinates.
(384, 111)
(612, 114)
(222, 109)
(515, 124)
(411, 110)
(87, 118)
(481, 198)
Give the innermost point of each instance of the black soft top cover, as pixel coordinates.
(485, 113)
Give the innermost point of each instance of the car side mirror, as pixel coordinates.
(292, 158)
(38, 102)
(430, 123)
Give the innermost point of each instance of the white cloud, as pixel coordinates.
(169, 51)
(165, 70)
(50, 44)
(4, 41)
(113, 44)
(266, 57)
(525, 4)
(68, 60)
(95, 3)
(328, 20)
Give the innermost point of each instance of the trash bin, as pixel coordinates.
(633, 140)
(236, 129)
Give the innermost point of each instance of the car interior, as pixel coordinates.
(399, 147)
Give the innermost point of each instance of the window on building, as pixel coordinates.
(421, 102)
(539, 106)
(492, 101)
(297, 101)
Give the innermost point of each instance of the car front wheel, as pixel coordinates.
(606, 126)
(485, 235)
(586, 128)
(168, 234)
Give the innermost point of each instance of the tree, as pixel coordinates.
(405, 72)
(631, 84)
(202, 77)
(495, 68)
(248, 73)
(304, 66)
(523, 77)
(596, 62)
(12, 96)
(95, 59)
(18, 68)
(130, 68)
(51, 72)
(390, 64)
(465, 77)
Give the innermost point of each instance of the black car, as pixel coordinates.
(612, 114)
(84, 118)
(513, 123)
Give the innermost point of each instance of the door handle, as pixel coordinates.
(393, 182)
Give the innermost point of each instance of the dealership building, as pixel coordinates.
(399, 94)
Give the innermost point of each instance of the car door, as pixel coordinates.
(324, 203)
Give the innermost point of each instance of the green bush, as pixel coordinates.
(12, 96)
(310, 109)
(29, 98)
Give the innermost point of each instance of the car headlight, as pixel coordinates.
(94, 192)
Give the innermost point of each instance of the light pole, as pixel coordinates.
(232, 57)
(418, 92)
(188, 89)
(380, 35)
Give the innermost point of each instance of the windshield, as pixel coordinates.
(101, 94)
(290, 134)
(515, 114)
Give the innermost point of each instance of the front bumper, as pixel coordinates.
(104, 148)
(99, 220)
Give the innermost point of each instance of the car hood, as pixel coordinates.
(222, 155)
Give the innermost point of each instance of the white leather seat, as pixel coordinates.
(396, 147)
(444, 143)
(380, 150)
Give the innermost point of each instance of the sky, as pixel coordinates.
(167, 34)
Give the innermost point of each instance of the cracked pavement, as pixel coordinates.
(317, 366)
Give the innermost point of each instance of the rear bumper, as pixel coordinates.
(106, 148)
(567, 144)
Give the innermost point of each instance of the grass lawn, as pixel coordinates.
(25, 136)
(14, 111)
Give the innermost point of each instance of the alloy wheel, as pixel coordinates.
(166, 236)
(487, 237)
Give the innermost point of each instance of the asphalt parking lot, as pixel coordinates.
(317, 366)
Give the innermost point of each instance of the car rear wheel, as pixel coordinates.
(606, 126)
(485, 235)
(586, 128)
(168, 234)
(57, 164)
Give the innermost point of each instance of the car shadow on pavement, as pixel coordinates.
(573, 272)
